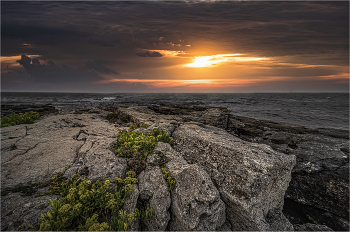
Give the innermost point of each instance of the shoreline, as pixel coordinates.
(45, 109)
(310, 110)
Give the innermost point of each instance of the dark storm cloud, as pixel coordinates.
(272, 28)
(55, 74)
(98, 65)
(149, 54)
(37, 33)
(310, 32)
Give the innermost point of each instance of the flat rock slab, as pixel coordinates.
(251, 178)
(38, 151)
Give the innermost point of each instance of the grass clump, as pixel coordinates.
(135, 126)
(89, 207)
(170, 182)
(21, 118)
(135, 146)
(118, 117)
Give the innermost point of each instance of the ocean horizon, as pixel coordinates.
(313, 110)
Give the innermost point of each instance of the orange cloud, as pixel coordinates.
(10, 62)
(340, 76)
(210, 61)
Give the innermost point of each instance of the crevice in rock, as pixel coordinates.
(13, 157)
(84, 171)
(298, 213)
(76, 159)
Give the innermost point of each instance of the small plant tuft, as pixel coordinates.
(170, 182)
(135, 126)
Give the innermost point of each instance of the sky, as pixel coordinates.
(162, 46)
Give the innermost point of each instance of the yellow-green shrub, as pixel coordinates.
(86, 206)
(21, 118)
(136, 146)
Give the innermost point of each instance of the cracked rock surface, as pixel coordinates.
(38, 151)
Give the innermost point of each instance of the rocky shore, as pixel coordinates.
(232, 173)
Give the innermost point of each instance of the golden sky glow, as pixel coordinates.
(10, 62)
(169, 53)
(210, 61)
(189, 83)
(12, 59)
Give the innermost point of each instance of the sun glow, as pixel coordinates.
(185, 83)
(211, 61)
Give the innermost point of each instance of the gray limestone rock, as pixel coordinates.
(196, 203)
(215, 117)
(68, 143)
(154, 193)
(298, 213)
(225, 227)
(320, 178)
(311, 227)
(38, 151)
(251, 178)
(130, 206)
(17, 212)
(95, 160)
(142, 114)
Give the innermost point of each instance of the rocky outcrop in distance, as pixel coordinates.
(231, 172)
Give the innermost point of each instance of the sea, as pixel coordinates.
(313, 110)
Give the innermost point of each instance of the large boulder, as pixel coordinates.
(251, 178)
(154, 193)
(196, 203)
